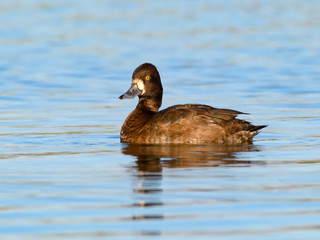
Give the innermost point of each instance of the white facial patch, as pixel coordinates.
(140, 84)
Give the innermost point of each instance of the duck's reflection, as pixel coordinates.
(151, 159)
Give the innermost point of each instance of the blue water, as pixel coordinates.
(64, 173)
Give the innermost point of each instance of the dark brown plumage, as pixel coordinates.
(179, 124)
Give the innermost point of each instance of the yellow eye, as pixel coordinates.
(147, 78)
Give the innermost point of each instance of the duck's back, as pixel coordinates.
(196, 124)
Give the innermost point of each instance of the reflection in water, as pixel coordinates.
(151, 159)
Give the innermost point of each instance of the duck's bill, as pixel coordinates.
(131, 93)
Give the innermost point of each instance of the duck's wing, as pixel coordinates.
(198, 114)
(177, 113)
(196, 123)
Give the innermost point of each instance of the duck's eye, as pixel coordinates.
(147, 78)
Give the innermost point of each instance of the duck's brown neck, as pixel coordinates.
(149, 104)
(144, 111)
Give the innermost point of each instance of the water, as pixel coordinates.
(63, 172)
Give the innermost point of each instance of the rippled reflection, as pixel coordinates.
(151, 159)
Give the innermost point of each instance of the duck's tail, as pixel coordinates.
(256, 128)
(245, 134)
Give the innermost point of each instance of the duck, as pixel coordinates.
(179, 124)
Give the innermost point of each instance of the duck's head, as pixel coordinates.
(146, 84)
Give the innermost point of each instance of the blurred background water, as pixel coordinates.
(63, 172)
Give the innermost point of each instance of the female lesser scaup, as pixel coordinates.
(179, 124)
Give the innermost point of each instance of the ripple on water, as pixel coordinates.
(63, 172)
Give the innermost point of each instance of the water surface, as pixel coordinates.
(64, 173)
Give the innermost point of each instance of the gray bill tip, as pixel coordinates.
(131, 93)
